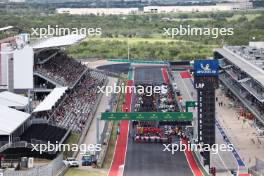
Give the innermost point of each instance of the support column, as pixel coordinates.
(97, 130)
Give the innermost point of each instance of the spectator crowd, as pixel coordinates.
(61, 69)
(79, 102)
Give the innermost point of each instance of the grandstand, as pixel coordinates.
(74, 110)
(60, 68)
(242, 70)
(62, 97)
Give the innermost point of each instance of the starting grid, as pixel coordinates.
(148, 116)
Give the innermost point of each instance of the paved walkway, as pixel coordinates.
(242, 135)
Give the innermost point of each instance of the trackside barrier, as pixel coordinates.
(48, 170)
(103, 152)
(138, 61)
(106, 138)
(202, 168)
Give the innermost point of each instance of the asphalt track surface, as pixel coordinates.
(143, 159)
(148, 75)
(116, 68)
(150, 160)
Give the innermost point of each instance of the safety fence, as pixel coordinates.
(108, 73)
(139, 61)
(106, 135)
(50, 169)
(112, 104)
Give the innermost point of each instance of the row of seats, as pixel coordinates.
(75, 110)
(62, 69)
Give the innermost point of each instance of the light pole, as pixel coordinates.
(128, 49)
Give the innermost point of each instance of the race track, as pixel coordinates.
(149, 159)
(148, 75)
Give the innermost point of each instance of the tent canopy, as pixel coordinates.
(11, 119)
(51, 99)
(10, 99)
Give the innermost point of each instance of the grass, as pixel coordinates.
(156, 48)
(111, 148)
(79, 172)
(136, 40)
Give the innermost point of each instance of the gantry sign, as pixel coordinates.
(148, 116)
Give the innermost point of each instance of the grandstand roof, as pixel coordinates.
(51, 99)
(10, 99)
(58, 41)
(11, 119)
(251, 69)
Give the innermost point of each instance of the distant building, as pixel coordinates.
(18, 1)
(234, 5)
(209, 8)
(97, 11)
(177, 9)
(242, 4)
